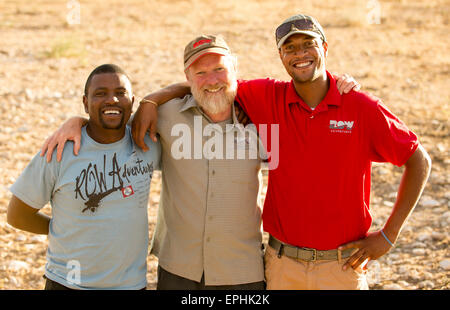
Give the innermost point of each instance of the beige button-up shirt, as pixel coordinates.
(209, 220)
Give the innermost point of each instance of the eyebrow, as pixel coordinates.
(103, 88)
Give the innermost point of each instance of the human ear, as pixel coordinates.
(325, 48)
(188, 77)
(85, 104)
(280, 53)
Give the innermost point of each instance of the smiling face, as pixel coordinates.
(109, 102)
(304, 57)
(213, 82)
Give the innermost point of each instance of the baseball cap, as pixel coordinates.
(202, 45)
(299, 24)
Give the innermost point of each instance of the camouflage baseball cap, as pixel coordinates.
(204, 44)
(299, 24)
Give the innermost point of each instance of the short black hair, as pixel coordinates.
(106, 68)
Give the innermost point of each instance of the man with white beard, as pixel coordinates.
(208, 232)
(211, 98)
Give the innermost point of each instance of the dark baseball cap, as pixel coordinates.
(202, 45)
(299, 24)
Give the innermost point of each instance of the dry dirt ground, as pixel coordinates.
(397, 50)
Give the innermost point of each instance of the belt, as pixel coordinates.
(308, 254)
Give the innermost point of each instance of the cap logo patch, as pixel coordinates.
(201, 42)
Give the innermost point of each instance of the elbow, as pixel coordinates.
(427, 162)
(421, 160)
(13, 217)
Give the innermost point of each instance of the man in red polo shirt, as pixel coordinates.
(317, 204)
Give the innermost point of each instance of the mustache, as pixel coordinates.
(304, 59)
(214, 102)
(107, 107)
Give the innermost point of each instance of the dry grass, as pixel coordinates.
(69, 48)
(404, 60)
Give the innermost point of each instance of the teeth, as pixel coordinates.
(303, 64)
(213, 90)
(111, 112)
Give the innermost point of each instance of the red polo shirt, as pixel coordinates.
(319, 194)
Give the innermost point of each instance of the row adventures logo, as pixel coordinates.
(341, 126)
(91, 185)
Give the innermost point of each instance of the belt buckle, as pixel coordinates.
(314, 253)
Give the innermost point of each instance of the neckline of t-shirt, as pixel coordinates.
(103, 145)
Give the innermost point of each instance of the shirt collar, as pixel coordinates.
(333, 97)
(190, 103)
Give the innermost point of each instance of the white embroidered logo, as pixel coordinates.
(341, 126)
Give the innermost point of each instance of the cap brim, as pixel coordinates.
(212, 50)
(295, 31)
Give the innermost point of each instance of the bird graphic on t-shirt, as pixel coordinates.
(94, 199)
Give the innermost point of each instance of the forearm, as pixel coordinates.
(76, 120)
(414, 178)
(25, 218)
(38, 223)
(177, 90)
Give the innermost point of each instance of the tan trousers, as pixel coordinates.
(285, 273)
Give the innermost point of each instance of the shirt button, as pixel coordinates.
(312, 116)
(213, 172)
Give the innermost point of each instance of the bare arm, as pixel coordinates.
(22, 216)
(415, 176)
(177, 90)
(146, 116)
(346, 83)
(69, 130)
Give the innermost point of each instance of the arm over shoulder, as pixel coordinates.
(258, 98)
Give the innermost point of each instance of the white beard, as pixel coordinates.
(215, 103)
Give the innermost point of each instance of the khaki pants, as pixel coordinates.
(285, 273)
